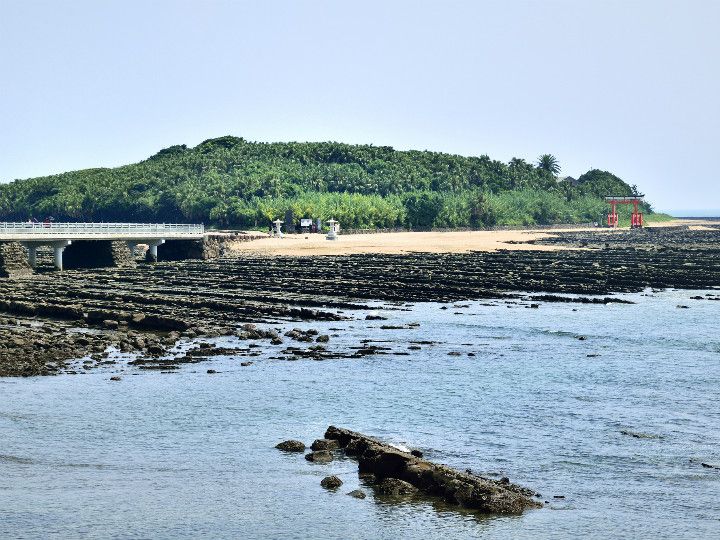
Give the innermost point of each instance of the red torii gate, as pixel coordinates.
(636, 219)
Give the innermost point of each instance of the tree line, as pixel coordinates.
(231, 182)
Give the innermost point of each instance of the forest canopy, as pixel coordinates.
(229, 181)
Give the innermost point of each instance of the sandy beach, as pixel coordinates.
(419, 242)
(393, 243)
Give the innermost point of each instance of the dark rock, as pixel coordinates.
(357, 493)
(464, 489)
(367, 477)
(639, 435)
(395, 487)
(324, 444)
(416, 453)
(320, 456)
(291, 446)
(331, 482)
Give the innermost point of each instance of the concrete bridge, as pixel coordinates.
(61, 235)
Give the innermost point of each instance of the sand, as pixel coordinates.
(418, 242)
(394, 243)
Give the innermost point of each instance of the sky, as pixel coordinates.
(628, 86)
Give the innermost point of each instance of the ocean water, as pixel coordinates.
(191, 455)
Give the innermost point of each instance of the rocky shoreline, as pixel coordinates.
(155, 311)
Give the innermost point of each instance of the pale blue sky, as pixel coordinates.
(628, 86)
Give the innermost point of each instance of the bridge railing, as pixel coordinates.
(41, 229)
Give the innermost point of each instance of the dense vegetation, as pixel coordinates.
(232, 182)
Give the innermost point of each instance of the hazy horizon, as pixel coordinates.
(694, 213)
(620, 86)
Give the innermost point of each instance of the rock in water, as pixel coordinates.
(324, 444)
(291, 446)
(320, 456)
(391, 466)
(331, 482)
(357, 493)
(395, 488)
(639, 435)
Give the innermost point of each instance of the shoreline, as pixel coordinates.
(145, 311)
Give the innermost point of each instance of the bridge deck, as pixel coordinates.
(28, 232)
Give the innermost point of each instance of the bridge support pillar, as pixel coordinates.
(152, 249)
(58, 249)
(32, 252)
(32, 256)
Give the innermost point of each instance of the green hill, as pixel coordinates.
(232, 182)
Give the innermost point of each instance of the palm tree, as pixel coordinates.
(549, 163)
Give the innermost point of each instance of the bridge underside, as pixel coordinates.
(210, 247)
(98, 254)
(20, 258)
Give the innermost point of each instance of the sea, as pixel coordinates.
(610, 412)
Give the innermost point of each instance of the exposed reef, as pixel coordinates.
(51, 317)
(395, 473)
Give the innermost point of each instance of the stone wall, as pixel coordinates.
(14, 260)
(97, 254)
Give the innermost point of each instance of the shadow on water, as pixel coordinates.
(421, 503)
(4, 458)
